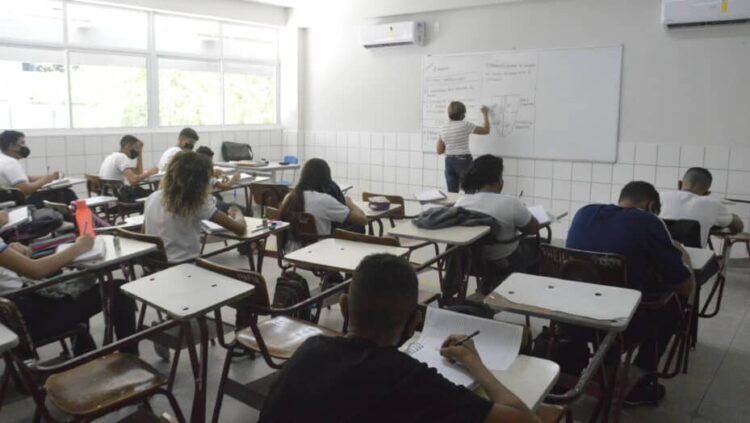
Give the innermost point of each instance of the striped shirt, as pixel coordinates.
(455, 135)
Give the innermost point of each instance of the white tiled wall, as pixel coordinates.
(78, 154)
(393, 163)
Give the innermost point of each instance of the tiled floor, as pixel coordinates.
(716, 389)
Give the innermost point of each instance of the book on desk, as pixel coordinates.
(16, 217)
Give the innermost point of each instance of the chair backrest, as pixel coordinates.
(11, 317)
(259, 297)
(687, 232)
(582, 266)
(370, 239)
(93, 184)
(302, 228)
(394, 199)
(110, 187)
(155, 261)
(268, 195)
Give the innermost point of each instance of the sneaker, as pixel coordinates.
(647, 393)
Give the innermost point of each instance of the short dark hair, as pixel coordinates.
(8, 138)
(383, 293)
(203, 150)
(128, 140)
(456, 110)
(189, 133)
(639, 192)
(699, 177)
(485, 170)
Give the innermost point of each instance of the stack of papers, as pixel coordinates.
(431, 195)
(98, 252)
(250, 163)
(497, 343)
(211, 227)
(16, 217)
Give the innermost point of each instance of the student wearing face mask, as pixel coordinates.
(185, 142)
(13, 175)
(126, 165)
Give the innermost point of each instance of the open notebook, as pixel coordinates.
(498, 343)
(56, 182)
(97, 252)
(210, 227)
(430, 195)
(16, 217)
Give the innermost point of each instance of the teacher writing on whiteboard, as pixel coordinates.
(454, 142)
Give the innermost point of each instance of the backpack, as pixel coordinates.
(235, 151)
(291, 289)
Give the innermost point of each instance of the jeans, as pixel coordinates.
(455, 167)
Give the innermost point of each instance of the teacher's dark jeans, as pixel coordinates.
(455, 167)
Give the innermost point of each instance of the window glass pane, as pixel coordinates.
(189, 93)
(186, 35)
(33, 89)
(35, 20)
(107, 27)
(242, 41)
(249, 94)
(108, 91)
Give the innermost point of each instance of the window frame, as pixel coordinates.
(152, 56)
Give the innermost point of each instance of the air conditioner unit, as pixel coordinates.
(701, 12)
(392, 34)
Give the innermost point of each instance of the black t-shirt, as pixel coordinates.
(350, 380)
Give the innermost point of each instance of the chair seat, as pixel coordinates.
(426, 297)
(282, 335)
(102, 383)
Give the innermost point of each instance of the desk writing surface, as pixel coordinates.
(339, 254)
(699, 257)
(129, 249)
(529, 378)
(186, 290)
(100, 201)
(69, 183)
(254, 230)
(591, 305)
(270, 167)
(374, 214)
(8, 339)
(458, 235)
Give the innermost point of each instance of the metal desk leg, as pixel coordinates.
(200, 370)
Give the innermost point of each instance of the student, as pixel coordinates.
(174, 212)
(483, 184)
(310, 195)
(655, 265)
(218, 181)
(13, 175)
(126, 166)
(454, 142)
(692, 202)
(185, 142)
(59, 308)
(363, 377)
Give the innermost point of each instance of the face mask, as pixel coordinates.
(189, 147)
(24, 152)
(134, 154)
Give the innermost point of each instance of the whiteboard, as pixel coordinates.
(561, 104)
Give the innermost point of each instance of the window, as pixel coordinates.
(186, 35)
(249, 42)
(32, 20)
(92, 25)
(189, 93)
(249, 94)
(33, 89)
(108, 90)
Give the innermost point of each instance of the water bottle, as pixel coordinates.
(84, 219)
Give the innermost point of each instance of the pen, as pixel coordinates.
(466, 339)
(521, 194)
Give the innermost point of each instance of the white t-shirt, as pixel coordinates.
(167, 157)
(9, 280)
(455, 135)
(11, 172)
(687, 205)
(509, 212)
(181, 235)
(114, 165)
(325, 209)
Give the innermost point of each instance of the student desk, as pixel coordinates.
(375, 216)
(338, 255)
(449, 200)
(187, 292)
(255, 236)
(530, 378)
(100, 201)
(68, 184)
(244, 183)
(8, 339)
(700, 258)
(272, 168)
(605, 308)
(114, 258)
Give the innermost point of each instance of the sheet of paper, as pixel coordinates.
(56, 182)
(430, 195)
(97, 252)
(212, 227)
(540, 214)
(16, 217)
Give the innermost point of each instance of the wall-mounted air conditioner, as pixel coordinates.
(699, 12)
(392, 34)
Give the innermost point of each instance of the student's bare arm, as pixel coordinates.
(440, 148)
(532, 227)
(235, 223)
(36, 182)
(357, 216)
(736, 226)
(508, 407)
(136, 178)
(17, 261)
(485, 129)
(229, 182)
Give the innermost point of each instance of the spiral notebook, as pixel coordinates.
(497, 343)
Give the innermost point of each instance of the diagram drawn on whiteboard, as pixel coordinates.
(503, 113)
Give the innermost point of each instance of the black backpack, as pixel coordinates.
(291, 289)
(235, 151)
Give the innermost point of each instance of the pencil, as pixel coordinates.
(466, 338)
